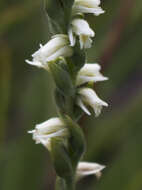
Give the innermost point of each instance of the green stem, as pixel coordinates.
(61, 184)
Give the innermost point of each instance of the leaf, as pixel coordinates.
(67, 7)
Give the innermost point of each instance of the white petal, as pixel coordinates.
(88, 3)
(84, 79)
(52, 46)
(71, 37)
(32, 131)
(85, 41)
(58, 133)
(82, 106)
(65, 51)
(34, 63)
(51, 128)
(88, 168)
(96, 11)
(50, 125)
(90, 68)
(81, 27)
(87, 6)
(90, 73)
(60, 36)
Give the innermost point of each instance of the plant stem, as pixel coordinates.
(61, 184)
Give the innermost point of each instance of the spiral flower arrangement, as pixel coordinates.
(64, 57)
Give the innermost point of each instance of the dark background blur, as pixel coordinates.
(113, 139)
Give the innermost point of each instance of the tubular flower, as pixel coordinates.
(90, 73)
(56, 47)
(87, 96)
(51, 128)
(88, 6)
(88, 168)
(81, 28)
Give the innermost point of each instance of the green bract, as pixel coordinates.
(59, 14)
(62, 79)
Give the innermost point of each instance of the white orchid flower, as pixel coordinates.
(90, 72)
(81, 28)
(51, 128)
(56, 47)
(87, 6)
(87, 96)
(88, 168)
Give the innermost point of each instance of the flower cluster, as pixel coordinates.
(62, 46)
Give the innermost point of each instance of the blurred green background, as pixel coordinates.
(113, 139)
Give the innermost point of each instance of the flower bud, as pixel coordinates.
(52, 128)
(56, 47)
(88, 168)
(87, 6)
(87, 96)
(81, 28)
(90, 73)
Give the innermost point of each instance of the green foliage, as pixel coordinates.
(58, 20)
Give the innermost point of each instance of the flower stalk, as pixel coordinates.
(64, 58)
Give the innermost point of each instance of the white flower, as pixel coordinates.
(56, 47)
(81, 28)
(88, 168)
(51, 128)
(90, 72)
(89, 97)
(87, 6)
